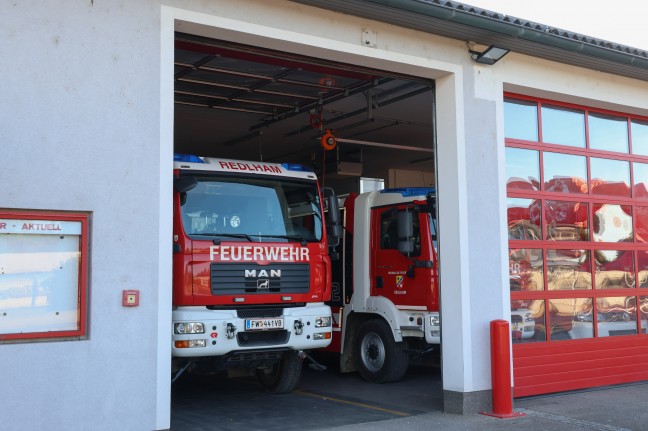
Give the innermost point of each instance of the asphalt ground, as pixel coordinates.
(622, 408)
(331, 401)
(322, 399)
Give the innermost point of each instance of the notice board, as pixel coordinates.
(43, 275)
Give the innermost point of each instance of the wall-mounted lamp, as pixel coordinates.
(490, 55)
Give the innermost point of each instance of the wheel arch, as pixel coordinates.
(352, 322)
(383, 307)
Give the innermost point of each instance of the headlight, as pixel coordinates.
(323, 322)
(528, 317)
(434, 320)
(189, 328)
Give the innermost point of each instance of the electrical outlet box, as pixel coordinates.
(130, 298)
(369, 37)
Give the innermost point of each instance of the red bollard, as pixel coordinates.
(502, 394)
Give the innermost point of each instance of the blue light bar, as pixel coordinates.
(188, 158)
(296, 167)
(407, 192)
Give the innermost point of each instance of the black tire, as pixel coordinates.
(282, 377)
(379, 358)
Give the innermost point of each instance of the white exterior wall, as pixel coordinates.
(86, 125)
(80, 130)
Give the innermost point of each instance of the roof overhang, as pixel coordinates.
(463, 22)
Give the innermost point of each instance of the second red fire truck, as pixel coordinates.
(385, 297)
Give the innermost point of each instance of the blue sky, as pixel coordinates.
(623, 22)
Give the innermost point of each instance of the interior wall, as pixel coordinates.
(410, 178)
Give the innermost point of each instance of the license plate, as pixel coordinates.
(263, 324)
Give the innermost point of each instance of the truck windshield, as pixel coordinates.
(254, 209)
(433, 231)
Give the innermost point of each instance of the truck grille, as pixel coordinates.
(265, 338)
(250, 313)
(250, 278)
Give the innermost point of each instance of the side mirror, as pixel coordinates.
(405, 229)
(333, 227)
(333, 214)
(184, 184)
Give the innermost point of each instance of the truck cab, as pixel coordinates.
(385, 289)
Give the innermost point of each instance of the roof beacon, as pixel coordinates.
(410, 191)
(187, 158)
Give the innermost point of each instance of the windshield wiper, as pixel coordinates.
(229, 235)
(293, 237)
(250, 237)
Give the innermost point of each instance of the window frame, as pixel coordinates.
(591, 199)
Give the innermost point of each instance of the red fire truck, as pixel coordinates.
(385, 298)
(251, 268)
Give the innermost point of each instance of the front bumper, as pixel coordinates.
(418, 324)
(224, 331)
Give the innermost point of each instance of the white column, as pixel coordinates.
(473, 258)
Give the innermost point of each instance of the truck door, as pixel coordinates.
(394, 275)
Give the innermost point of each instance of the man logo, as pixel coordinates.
(263, 284)
(253, 273)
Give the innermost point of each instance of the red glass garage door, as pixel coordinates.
(577, 192)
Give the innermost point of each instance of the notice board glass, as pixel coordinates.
(43, 270)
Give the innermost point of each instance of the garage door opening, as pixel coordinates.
(356, 130)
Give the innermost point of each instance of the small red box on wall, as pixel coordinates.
(130, 298)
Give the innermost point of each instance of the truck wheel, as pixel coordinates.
(282, 377)
(379, 358)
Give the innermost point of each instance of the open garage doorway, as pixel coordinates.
(243, 103)
(234, 101)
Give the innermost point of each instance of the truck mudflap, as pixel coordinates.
(200, 332)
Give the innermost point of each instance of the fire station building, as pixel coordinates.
(535, 138)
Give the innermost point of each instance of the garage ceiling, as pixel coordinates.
(240, 102)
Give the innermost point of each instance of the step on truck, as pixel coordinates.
(385, 298)
(251, 268)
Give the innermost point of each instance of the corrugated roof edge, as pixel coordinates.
(521, 22)
(466, 22)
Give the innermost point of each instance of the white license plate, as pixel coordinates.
(263, 324)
